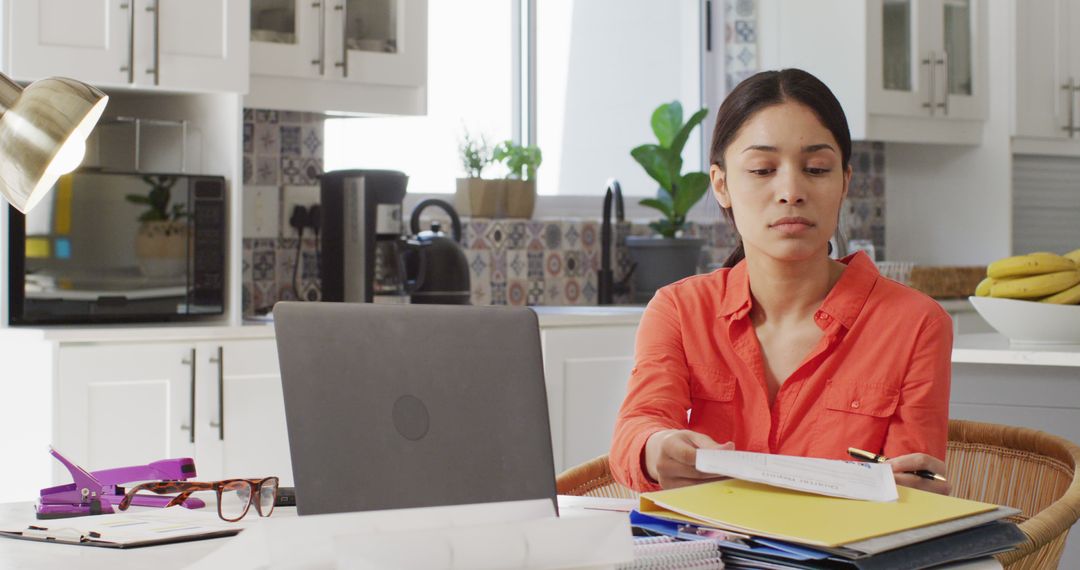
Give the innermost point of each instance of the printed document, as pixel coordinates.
(834, 478)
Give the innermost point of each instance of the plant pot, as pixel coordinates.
(480, 198)
(520, 198)
(161, 248)
(661, 261)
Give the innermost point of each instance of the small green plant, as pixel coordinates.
(475, 155)
(521, 161)
(663, 162)
(157, 201)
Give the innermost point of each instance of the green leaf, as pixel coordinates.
(692, 186)
(665, 208)
(664, 228)
(679, 141)
(666, 120)
(137, 199)
(660, 163)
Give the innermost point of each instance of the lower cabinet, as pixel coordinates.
(132, 403)
(586, 370)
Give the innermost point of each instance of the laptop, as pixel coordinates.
(396, 406)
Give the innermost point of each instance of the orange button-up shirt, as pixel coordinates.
(878, 379)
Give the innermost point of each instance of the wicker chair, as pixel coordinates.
(1018, 467)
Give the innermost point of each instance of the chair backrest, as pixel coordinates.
(1022, 468)
(1018, 467)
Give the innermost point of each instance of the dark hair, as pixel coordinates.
(766, 89)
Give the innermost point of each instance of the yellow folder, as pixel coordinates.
(762, 510)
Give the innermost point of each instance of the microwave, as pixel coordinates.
(114, 247)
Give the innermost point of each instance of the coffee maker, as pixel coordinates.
(361, 235)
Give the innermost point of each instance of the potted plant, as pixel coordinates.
(162, 240)
(476, 196)
(520, 190)
(669, 256)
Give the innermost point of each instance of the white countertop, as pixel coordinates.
(993, 348)
(549, 316)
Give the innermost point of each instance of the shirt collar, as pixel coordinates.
(843, 303)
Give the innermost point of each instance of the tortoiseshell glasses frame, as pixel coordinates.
(254, 487)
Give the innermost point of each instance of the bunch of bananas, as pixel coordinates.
(1040, 276)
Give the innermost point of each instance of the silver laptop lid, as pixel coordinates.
(395, 406)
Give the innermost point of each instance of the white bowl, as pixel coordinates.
(1031, 322)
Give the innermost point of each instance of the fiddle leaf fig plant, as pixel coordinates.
(521, 161)
(662, 161)
(157, 200)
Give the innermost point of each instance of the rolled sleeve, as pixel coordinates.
(658, 393)
(921, 421)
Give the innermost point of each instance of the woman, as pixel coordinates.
(785, 350)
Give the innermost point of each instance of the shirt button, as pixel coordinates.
(854, 403)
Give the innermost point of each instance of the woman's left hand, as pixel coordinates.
(915, 462)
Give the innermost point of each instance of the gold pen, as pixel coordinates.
(868, 456)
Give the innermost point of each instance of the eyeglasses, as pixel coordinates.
(234, 496)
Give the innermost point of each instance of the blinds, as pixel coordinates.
(1046, 204)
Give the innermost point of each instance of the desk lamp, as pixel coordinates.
(43, 130)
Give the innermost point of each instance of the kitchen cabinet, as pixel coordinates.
(132, 403)
(354, 56)
(109, 397)
(586, 369)
(903, 70)
(175, 45)
(1047, 77)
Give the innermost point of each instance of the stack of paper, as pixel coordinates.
(770, 526)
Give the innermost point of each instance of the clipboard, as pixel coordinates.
(129, 530)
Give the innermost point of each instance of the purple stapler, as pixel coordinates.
(96, 492)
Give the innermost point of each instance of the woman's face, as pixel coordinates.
(784, 182)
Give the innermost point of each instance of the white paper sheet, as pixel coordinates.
(846, 479)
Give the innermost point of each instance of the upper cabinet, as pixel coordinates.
(174, 45)
(351, 56)
(1047, 118)
(904, 70)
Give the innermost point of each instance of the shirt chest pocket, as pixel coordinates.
(875, 399)
(711, 384)
(857, 414)
(713, 404)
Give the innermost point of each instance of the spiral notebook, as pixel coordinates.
(665, 552)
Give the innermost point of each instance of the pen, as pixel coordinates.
(867, 456)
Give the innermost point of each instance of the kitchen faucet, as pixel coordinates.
(605, 278)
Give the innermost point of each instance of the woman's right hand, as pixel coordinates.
(670, 456)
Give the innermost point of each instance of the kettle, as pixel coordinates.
(435, 265)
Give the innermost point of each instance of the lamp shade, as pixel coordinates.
(43, 133)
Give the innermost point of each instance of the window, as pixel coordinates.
(470, 84)
(601, 67)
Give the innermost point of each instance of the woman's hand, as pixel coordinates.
(915, 462)
(670, 456)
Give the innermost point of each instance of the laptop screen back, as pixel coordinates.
(396, 406)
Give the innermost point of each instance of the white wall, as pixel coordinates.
(951, 205)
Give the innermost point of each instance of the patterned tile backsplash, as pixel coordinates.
(511, 261)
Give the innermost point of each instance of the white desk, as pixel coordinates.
(24, 554)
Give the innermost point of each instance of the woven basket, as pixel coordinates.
(946, 282)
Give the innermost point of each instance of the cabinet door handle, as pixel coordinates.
(1070, 97)
(321, 62)
(190, 361)
(130, 67)
(932, 62)
(156, 9)
(220, 423)
(944, 63)
(344, 63)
